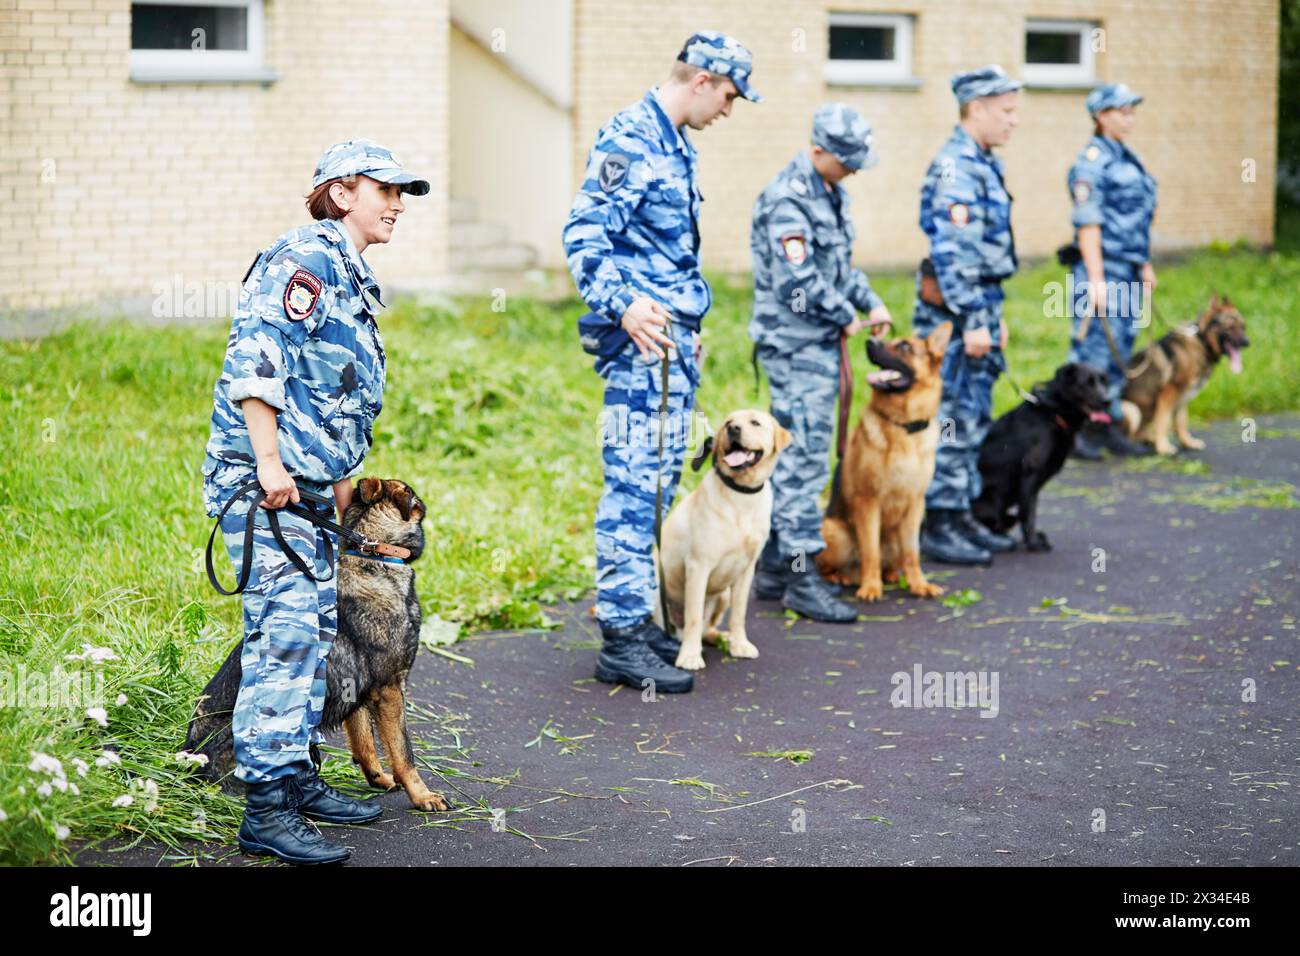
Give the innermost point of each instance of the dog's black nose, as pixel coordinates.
(733, 431)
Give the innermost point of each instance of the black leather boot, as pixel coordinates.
(810, 594)
(981, 536)
(627, 658)
(941, 540)
(272, 827)
(1113, 439)
(1085, 445)
(662, 643)
(319, 801)
(772, 575)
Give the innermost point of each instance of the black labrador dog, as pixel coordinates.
(1029, 444)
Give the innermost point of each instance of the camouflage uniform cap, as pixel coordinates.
(1110, 96)
(989, 80)
(367, 157)
(843, 133)
(724, 55)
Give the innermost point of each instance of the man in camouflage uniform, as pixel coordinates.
(305, 359)
(1114, 202)
(632, 243)
(806, 295)
(966, 215)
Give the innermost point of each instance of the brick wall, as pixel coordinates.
(1208, 70)
(111, 188)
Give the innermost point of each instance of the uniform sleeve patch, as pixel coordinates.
(1091, 154)
(959, 213)
(1082, 191)
(795, 248)
(301, 295)
(613, 171)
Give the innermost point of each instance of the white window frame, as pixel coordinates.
(205, 65)
(868, 72)
(1083, 73)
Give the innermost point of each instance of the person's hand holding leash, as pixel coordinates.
(278, 484)
(977, 342)
(644, 321)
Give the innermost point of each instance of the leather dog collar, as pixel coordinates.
(375, 557)
(734, 485)
(912, 427)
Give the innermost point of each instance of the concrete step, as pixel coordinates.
(477, 235)
(502, 258)
(462, 210)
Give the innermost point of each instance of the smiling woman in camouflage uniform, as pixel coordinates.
(302, 383)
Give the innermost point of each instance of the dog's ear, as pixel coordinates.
(783, 438)
(706, 449)
(370, 490)
(402, 496)
(938, 341)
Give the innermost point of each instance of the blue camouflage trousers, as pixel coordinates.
(804, 385)
(626, 581)
(290, 623)
(965, 413)
(1123, 312)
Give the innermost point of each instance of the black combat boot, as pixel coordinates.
(1112, 438)
(941, 540)
(810, 594)
(272, 826)
(319, 801)
(772, 574)
(662, 643)
(1085, 444)
(982, 536)
(627, 658)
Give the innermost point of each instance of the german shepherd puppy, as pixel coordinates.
(878, 495)
(1029, 444)
(1175, 369)
(378, 636)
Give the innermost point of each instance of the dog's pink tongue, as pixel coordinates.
(1234, 359)
(1102, 417)
(735, 459)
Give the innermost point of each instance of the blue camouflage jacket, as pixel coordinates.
(633, 228)
(1110, 188)
(966, 213)
(304, 340)
(801, 243)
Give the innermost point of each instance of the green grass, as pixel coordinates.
(491, 416)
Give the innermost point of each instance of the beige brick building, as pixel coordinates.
(131, 176)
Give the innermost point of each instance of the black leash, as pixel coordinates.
(659, 488)
(253, 489)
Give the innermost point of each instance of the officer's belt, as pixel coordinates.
(367, 546)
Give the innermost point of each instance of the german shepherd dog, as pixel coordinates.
(1029, 444)
(1175, 369)
(378, 636)
(878, 495)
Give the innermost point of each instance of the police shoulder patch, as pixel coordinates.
(1091, 154)
(1082, 191)
(301, 295)
(959, 213)
(795, 248)
(613, 171)
(798, 186)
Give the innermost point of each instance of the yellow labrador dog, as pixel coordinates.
(712, 539)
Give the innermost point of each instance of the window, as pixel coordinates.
(197, 41)
(1060, 53)
(870, 48)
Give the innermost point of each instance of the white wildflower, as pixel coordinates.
(98, 714)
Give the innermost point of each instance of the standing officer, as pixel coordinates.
(806, 295)
(966, 214)
(302, 383)
(632, 242)
(1114, 202)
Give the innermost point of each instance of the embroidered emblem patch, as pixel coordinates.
(1082, 190)
(798, 186)
(301, 295)
(613, 171)
(1091, 154)
(795, 249)
(959, 214)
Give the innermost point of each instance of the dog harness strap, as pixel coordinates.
(734, 486)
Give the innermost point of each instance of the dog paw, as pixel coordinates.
(925, 589)
(870, 591)
(890, 576)
(690, 660)
(1166, 449)
(1194, 444)
(742, 648)
(383, 781)
(1038, 542)
(429, 801)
